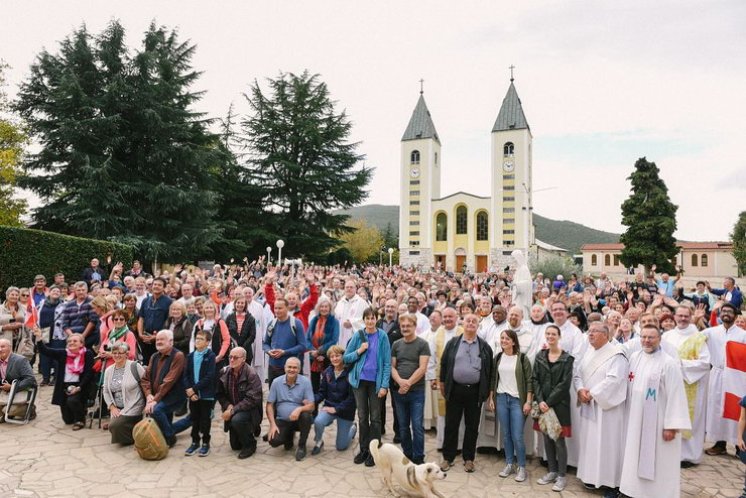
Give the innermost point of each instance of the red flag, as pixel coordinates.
(734, 379)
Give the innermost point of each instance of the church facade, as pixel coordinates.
(463, 231)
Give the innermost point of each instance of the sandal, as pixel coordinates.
(78, 425)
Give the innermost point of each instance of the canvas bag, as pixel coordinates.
(149, 441)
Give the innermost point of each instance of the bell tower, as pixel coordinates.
(419, 180)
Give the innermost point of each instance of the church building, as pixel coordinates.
(462, 231)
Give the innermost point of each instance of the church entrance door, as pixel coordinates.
(440, 262)
(460, 261)
(481, 266)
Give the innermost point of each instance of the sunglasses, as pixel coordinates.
(119, 319)
(24, 295)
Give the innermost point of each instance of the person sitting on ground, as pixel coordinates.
(289, 409)
(199, 380)
(13, 368)
(239, 393)
(163, 384)
(73, 383)
(122, 393)
(339, 403)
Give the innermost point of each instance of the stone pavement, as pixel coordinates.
(47, 459)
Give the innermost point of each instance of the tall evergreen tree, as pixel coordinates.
(13, 141)
(738, 237)
(123, 154)
(650, 218)
(302, 162)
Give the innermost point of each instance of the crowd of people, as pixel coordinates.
(622, 380)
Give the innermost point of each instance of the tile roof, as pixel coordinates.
(421, 123)
(511, 115)
(683, 245)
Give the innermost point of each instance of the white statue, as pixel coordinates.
(522, 285)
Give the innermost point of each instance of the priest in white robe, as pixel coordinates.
(600, 381)
(349, 311)
(262, 317)
(718, 428)
(445, 333)
(694, 355)
(656, 413)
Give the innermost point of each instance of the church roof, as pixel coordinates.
(511, 115)
(421, 123)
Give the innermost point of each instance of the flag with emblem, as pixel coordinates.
(734, 379)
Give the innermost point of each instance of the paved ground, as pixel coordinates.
(47, 459)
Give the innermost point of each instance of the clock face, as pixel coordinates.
(414, 172)
(508, 166)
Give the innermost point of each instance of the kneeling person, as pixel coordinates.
(290, 408)
(240, 396)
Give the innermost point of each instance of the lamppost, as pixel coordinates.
(280, 245)
(391, 252)
(269, 254)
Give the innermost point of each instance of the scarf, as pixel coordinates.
(689, 350)
(116, 334)
(75, 363)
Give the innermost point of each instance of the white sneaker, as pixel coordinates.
(521, 474)
(548, 478)
(560, 483)
(507, 470)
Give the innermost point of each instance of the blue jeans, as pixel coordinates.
(163, 414)
(345, 431)
(510, 415)
(410, 410)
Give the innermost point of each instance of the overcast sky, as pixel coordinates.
(602, 84)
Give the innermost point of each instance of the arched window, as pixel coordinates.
(607, 260)
(414, 157)
(594, 260)
(482, 225)
(441, 227)
(461, 220)
(694, 260)
(703, 260)
(508, 149)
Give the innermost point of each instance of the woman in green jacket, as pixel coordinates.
(552, 380)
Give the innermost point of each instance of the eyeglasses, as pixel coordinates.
(118, 352)
(119, 319)
(234, 357)
(24, 295)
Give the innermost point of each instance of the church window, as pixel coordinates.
(703, 260)
(414, 192)
(509, 198)
(508, 232)
(695, 260)
(435, 159)
(607, 260)
(414, 233)
(508, 221)
(509, 176)
(441, 227)
(508, 149)
(461, 220)
(482, 225)
(414, 223)
(414, 242)
(414, 182)
(414, 203)
(508, 210)
(509, 187)
(414, 212)
(616, 260)
(594, 260)
(414, 157)
(508, 243)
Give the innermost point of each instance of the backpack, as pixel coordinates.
(149, 441)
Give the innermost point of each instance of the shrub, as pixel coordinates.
(25, 253)
(553, 266)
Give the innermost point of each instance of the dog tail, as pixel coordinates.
(373, 447)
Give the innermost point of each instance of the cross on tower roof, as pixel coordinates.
(422, 86)
(511, 72)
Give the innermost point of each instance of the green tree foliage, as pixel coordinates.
(123, 154)
(738, 236)
(302, 163)
(364, 241)
(650, 218)
(12, 143)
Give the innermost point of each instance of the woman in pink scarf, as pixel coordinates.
(71, 389)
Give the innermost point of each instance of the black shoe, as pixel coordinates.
(361, 457)
(171, 441)
(246, 452)
(686, 465)
(397, 440)
(317, 448)
(300, 453)
(369, 462)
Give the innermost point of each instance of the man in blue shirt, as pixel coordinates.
(285, 338)
(152, 318)
(731, 293)
(290, 408)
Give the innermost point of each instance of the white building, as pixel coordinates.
(463, 230)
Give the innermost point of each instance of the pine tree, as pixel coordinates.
(124, 156)
(650, 217)
(738, 237)
(302, 162)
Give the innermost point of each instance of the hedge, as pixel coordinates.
(25, 253)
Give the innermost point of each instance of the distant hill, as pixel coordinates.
(566, 234)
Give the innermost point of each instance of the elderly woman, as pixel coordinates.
(122, 393)
(73, 383)
(12, 314)
(339, 403)
(242, 327)
(323, 332)
(129, 305)
(221, 338)
(119, 332)
(179, 324)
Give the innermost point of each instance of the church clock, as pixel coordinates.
(508, 166)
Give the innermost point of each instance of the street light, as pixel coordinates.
(269, 254)
(391, 252)
(280, 245)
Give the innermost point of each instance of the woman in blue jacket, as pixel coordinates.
(339, 403)
(199, 380)
(369, 354)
